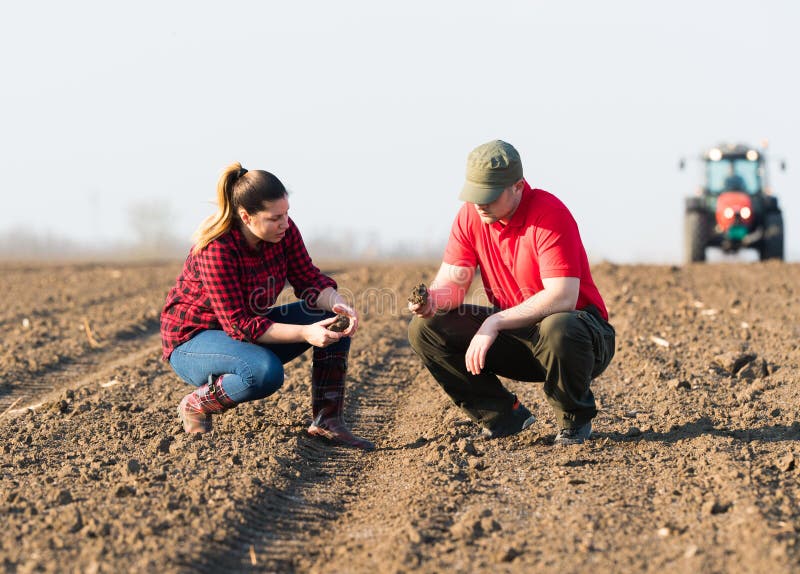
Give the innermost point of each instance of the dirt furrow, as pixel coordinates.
(45, 291)
(287, 528)
(82, 300)
(693, 465)
(466, 506)
(69, 320)
(76, 371)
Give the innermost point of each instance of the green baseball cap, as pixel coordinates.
(491, 168)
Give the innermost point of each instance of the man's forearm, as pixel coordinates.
(532, 310)
(450, 286)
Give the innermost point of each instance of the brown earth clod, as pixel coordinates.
(419, 295)
(341, 324)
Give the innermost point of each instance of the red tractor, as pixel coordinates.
(734, 208)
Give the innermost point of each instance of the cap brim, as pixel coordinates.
(480, 194)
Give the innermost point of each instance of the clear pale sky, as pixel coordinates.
(367, 110)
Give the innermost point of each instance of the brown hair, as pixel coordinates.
(237, 187)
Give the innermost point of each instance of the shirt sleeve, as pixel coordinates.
(460, 250)
(304, 277)
(558, 245)
(220, 274)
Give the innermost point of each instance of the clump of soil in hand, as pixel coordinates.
(419, 295)
(341, 323)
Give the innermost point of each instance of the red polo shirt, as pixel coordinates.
(540, 241)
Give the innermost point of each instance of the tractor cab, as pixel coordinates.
(733, 166)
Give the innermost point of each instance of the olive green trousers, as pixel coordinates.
(565, 351)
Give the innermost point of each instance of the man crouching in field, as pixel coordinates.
(548, 323)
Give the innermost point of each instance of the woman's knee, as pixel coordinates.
(263, 377)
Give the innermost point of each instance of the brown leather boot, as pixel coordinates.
(327, 400)
(195, 409)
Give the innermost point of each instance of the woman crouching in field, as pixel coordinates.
(219, 330)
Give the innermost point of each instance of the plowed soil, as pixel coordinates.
(693, 466)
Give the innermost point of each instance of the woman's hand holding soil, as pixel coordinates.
(319, 335)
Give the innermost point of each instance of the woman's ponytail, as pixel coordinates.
(220, 222)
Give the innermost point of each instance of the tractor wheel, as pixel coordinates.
(772, 244)
(695, 236)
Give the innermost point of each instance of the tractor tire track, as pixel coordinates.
(64, 324)
(75, 372)
(286, 528)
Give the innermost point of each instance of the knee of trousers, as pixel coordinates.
(264, 377)
(564, 334)
(419, 334)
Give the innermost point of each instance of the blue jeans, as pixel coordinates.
(251, 371)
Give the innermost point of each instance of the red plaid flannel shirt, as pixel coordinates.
(230, 286)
